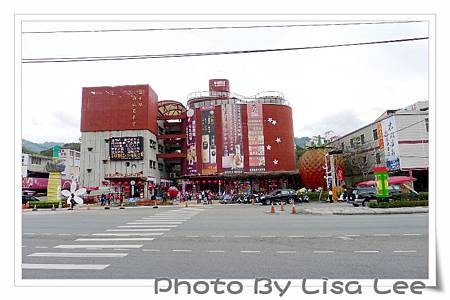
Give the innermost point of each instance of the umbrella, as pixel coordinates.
(391, 180)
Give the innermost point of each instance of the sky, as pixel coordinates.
(337, 89)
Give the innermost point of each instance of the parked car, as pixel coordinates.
(26, 199)
(363, 195)
(277, 196)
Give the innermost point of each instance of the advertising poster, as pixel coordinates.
(126, 148)
(380, 136)
(232, 154)
(255, 137)
(390, 141)
(191, 155)
(209, 147)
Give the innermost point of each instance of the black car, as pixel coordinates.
(26, 199)
(363, 195)
(278, 196)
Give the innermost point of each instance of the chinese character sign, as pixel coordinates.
(209, 147)
(232, 154)
(126, 148)
(255, 137)
(191, 155)
(390, 141)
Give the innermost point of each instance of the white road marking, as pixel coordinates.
(216, 251)
(296, 236)
(128, 234)
(250, 251)
(181, 250)
(192, 236)
(29, 233)
(286, 252)
(41, 247)
(324, 236)
(345, 238)
(147, 226)
(412, 234)
(405, 251)
(119, 249)
(64, 267)
(352, 235)
(323, 252)
(382, 234)
(151, 250)
(241, 236)
(63, 233)
(217, 236)
(366, 251)
(163, 220)
(114, 239)
(143, 229)
(268, 236)
(96, 246)
(154, 223)
(57, 254)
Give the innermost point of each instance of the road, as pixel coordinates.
(240, 241)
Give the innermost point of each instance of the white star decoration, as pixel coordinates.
(269, 120)
(275, 162)
(269, 147)
(274, 122)
(278, 140)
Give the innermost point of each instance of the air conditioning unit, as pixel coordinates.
(172, 175)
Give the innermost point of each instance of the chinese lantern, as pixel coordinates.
(126, 183)
(204, 181)
(140, 183)
(113, 183)
(209, 181)
(119, 183)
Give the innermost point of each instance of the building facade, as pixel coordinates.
(220, 141)
(71, 159)
(398, 139)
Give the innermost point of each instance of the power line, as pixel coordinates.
(173, 55)
(218, 27)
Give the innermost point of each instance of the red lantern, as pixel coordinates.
(126, 183)
(209, 181)
(204, 181)
(113, 183)
(140, 183)
(119, 183)
(220, 181)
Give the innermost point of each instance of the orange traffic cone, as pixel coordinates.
(282, 207)
(185, 204)
(294, 211)
(272, 209)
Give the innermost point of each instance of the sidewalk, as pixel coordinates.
(348, 209)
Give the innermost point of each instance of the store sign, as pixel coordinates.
(232, 145)
(126, 148)
(390, 140)
(255, 137)
(191, 144)
(208, 142)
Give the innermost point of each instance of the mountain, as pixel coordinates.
(302, 141)
(38, 147)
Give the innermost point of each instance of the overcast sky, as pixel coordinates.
(338, 89)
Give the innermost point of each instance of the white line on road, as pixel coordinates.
(286, 252)
(162, 220)
(250, 251)
(366, 251)
(64, 267)
(151, 250)
(296, 236)
(41, 247)
(405, 251)
(128, 234)
(114, 239)
(268, 236)
(63, 233)
(216, 251)
(29, 233)
(382, 234)
(57, 254)
(143, 229)
(324, 236)
(96, 246)
(345, 238)
(181, 250)
(412, 234)
(323, 252)
(192, 236)
(241, 236)
(147, 226)
(154, 223)
(352, 235)
(217, 236)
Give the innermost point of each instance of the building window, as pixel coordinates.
(378, 158)
(352, 144)
(342, 146)
(89, 170)
(426, 123)
(89, 148)
(375, 134)
(362, 139)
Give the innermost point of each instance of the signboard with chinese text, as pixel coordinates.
(232, 147)
(126, 148)
(255, 137)
(208, 134)
(390, 141)
(191, 155)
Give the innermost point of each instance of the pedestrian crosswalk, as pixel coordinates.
(135, 234)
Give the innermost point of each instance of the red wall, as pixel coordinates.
(284, 152)
(111, 108)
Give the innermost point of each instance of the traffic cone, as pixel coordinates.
(53, 207)
(272, 209)
(282, 207)
(294, 211)
(34, 209)
(185, 204)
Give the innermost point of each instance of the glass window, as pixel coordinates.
(375, 134)
(378, 158)
(362, 139)
(426, 123)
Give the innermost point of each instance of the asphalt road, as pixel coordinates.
(242, 242)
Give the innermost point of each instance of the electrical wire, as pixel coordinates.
(195, 54)
(219, 27)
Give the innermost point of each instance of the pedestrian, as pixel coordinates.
(102, 199)
(345, 195)
(330, 196)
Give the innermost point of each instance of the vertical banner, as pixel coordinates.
(232, 147)
(255, 137)
(390, 140)
(191, 155)
(209, 147)
(380, 136)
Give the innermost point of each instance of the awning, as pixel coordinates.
(391, 180)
